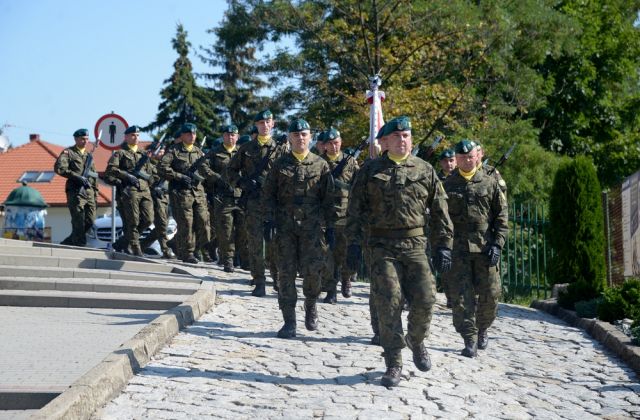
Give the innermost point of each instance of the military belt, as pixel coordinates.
(397, 233)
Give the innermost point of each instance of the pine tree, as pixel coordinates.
(182, 99)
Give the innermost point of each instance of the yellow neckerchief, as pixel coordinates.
(133, 147)
(229, 149)
(468, 175)
(263, 139)
(398, 159)
(188, 147)
(81, 150)
(333, 158)
(300, 156)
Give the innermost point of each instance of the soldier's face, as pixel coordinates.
(188, 138)
(230, 139)
(132, 139)
(82, 141)
(333, 147)
(399, 143)
(264, 126)
(448, 164)
(300, 141)
(321, 148)
(467, 162)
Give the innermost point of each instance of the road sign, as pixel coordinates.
(112, 127)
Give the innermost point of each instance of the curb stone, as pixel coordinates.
(107, 379)
(606, 334)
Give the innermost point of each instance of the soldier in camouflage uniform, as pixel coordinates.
(228, 214)
(347, 167)
(478, 209)
(447, 162)
(389, 200)
(185, 167)
(124, 165)
(258, 154)
(81, 191)
(490, 170)
(298, 200)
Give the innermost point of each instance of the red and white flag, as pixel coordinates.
(376, 120)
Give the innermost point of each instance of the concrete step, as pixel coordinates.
(60, 299)
(92, 263)
(13, 242)
(24, 399)
(55, 252)
(68, 272)
(97, 285)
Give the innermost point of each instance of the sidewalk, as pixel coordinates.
(230, 365)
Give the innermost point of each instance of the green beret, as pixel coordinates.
(254, 130)
(298, 125)
(465, 146)
(381, 132)
(446, 154)
(231, 128)
(243, 139)
(177, 134)
(81, 132)
(188, 128)
(132, 129)
(263, 115)
(322, 137)
(331, 134)
(396, 124)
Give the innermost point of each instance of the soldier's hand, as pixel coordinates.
(248, 184)
(442, 260)
(82, 181)
(185, 181)
(354, 256)
(133, 181)
(494, 255)
(330, 237)
(268, 228)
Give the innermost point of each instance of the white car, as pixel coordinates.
(99, 236)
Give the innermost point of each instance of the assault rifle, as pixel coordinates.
(86, 171)
(253, 182)
(337, 171)
(153, 149)
(504, 157)
(192, 173)
(426, 155)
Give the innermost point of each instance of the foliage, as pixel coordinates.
(576, 230)
(182, 99)
(577, 291)
(587, 308)
(621, 302)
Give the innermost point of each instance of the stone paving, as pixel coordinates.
(230, 365)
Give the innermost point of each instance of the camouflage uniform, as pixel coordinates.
(389, 201)
(80, 200)
(478, 209)
(228, 215)
(298, 198)
(160, 195)
(241, 167)
(190, 201)
(138, 208)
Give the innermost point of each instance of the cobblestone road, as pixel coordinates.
(230, 365)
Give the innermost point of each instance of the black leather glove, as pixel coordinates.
(494, 255)
(185, 181)
(330, 237)
(442, 260)
(80, 180)
(133, 181)
(354, 256)
(248, 184)
(268, 228)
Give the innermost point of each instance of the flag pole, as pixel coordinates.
(375, 97)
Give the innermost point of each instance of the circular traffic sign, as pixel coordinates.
(112, 127)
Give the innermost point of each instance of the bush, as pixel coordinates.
(587, 308)
(576, 232)
(613, 305)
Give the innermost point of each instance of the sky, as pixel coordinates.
(64, 64)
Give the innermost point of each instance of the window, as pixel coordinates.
(36, 176)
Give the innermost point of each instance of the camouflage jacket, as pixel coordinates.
(177, 161)
(342, 183)
(124, 161)
(299, 195)
(478, 209)
(491, 170)
(71, 163)
(391, 201)
(219, 159)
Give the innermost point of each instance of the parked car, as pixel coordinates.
(99, 236)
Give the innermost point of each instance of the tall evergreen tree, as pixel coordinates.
(182, 99)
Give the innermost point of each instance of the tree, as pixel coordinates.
(183, 100)
(577, 231)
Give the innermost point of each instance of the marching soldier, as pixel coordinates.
(185, 167)
(81, 190)
(298, 198)
(478, 209)
(247, 170)
(389, 202)
(447, 161)
(491, 170)
(134, 170)
(343, 169)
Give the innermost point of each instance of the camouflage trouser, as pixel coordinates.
(138, 210)
(254, 221)
(299, 251)
(228, 219)
(192, 218)
(213, 223)
(160, 222)
(337, 268)
(242, 248)
(83, 214)
(396, 268)
(445, 282)
(475, 290)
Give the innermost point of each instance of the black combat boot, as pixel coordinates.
(288, 330)
(228, 266)
(310, 315)
(259, 290)
(345, 287)
(168, 254)
(375, 340)
(391, 377)
(191, 259)
(274, 276)
(332, 296)
(420, 356)
(483, 339)
(470, 348)
(135, 250)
